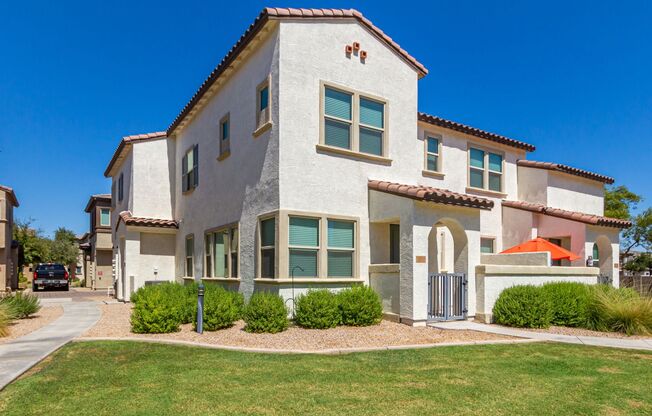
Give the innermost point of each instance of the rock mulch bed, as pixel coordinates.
(115, 324)
(21, 327)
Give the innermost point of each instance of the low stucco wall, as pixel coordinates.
(385, 280)
(491, 280)
(517, 259)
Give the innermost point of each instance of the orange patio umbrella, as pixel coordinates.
(538, 245)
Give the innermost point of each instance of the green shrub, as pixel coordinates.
(569, 301)
(620, 310)
(523, 307)
(158, 308)
(189, 313)
(318, 309)
(22, 304)
(221, 308)
(266, 312)
(360, 306)
(6, 316)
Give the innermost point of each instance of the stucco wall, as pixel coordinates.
(126, 169)
(575, 193)
(385, 280)
(152, 181)
(245, 184)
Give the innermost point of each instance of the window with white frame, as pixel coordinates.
(353, 121)
(190, 169)
(225, 136)
(190, 255)
(433, 150)
(303, 247)
(105, 217)
(487, 245)
(263, 112)
(485, 170)
(267, 230)
(221, 257)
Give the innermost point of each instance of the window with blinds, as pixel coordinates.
(341, 248)
(303, 246)
(105, 217)
(353, 121)
(263, 113)
(190, 254)
(222, 252)
(432, 154)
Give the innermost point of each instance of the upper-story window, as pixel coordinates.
(225, 137)
(263, 113)
(485, 170)
(121, 187)
(190, 169)
(105, 217)
(353, 121)
(433, 152)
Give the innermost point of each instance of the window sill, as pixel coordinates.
(262, 129)
(189, 191)
(224, 155)
(188, 278)
(317, 280)
(436, 175)
(486, 192)
(220, 279)
(322, 148)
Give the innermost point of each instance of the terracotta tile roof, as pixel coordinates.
(463, 128)
(568, 215)
(96, 197)
(129, 219)
(566, 169)
(128, 140)
(11, 194)
(430, 194)
(278, 13)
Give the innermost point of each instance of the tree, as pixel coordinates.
(619, 202)
(640, 263)
(640, 233)
(35, 247)
(64, 248)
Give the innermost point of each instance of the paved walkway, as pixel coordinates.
(23, 353)
(635, 344)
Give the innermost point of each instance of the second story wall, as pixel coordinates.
(125, 204)
(153, 178)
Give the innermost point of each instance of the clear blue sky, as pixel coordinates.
(573, 78)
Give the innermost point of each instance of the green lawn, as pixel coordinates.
(123, 378)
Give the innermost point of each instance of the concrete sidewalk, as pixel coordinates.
(23, 353)
(634, 344)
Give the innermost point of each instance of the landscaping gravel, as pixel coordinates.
(581, 332)
(21, 327)
(115, 323)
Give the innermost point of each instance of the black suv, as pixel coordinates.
(50, 275)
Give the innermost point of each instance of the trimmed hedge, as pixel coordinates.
(222, 308)
(158, 309)
(317, 309)
(360, 306)
(569, 301)
(266, 312)
(22, 304)
(524, 307)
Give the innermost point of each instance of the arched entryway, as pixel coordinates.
(603, 258)
(448, 259)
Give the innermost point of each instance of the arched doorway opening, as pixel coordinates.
(603, 258)
(448, 261)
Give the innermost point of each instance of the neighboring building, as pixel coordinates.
(83, 257)
(97, 244)
(304, 155)
(8, 247)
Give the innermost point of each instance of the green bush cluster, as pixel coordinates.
(523, 307)
(355, 306)
(317, 309)
(158, 308)
(21, 304)
(222, 308)
(598, 307)
(266, 312)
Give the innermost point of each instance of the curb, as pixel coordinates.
(329, 351)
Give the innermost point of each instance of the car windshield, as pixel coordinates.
(51, 268)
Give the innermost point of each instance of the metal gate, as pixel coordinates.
(447, 296)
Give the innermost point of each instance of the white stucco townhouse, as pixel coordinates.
(302, 161)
